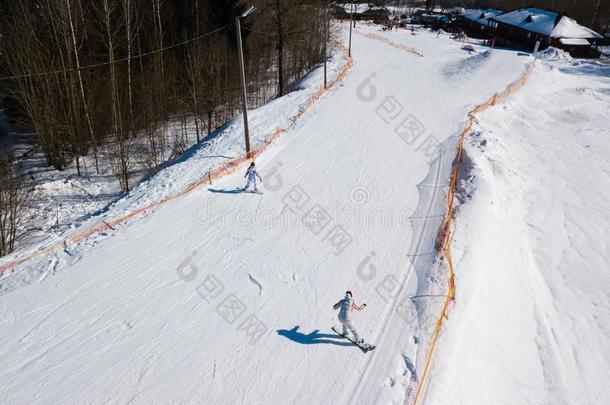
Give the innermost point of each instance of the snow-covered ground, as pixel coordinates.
(64, 203)
(64, 200)
(531, 324)
(224, 297)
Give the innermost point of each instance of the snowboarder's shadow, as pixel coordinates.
(312, 338)
(227, 191)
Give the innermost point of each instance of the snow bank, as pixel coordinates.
(531, 319)
(553, 54)
(466, 67)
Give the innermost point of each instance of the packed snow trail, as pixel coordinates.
(143, 316)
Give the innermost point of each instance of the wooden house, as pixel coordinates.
(533, 28)
(475, 23)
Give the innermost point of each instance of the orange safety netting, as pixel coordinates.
(393, 44)
(217, 173)
(443, 241)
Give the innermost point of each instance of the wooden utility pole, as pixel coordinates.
(325, 43)
(242, 77)
(351, 22)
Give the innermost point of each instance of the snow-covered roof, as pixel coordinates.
(481, 15)
(531, 19)
(543, 22)
(569, 28)
(358, 8)
(436, 16)
(574, 41)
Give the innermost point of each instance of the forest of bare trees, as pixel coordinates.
(102, 78)
(90, 76)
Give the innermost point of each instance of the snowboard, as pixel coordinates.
(365, 347)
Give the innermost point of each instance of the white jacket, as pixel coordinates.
(345, 310)
(251, 174)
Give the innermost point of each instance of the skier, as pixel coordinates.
(251, 175)
(345, 314)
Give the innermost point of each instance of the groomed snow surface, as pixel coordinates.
(222, 297)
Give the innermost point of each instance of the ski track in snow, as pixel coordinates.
(256, 283)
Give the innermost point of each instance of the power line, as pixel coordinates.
(271, 33)
(118, 60)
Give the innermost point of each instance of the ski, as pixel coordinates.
(365, 347)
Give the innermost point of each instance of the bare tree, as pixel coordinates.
(15, 193)
(118, 150)
(80, 82)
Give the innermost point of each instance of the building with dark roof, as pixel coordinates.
(475, 23)
(534, 28)
(361, 11)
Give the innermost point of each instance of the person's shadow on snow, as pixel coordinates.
(312, 338)
(227, 191)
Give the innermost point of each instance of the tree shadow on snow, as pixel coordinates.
(312, 338)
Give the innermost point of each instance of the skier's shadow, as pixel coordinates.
(227, 191)
(312, 338)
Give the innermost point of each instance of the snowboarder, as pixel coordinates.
(251, 176)
(345, 307)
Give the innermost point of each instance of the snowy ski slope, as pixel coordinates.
(531, 322)
(165, 308)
